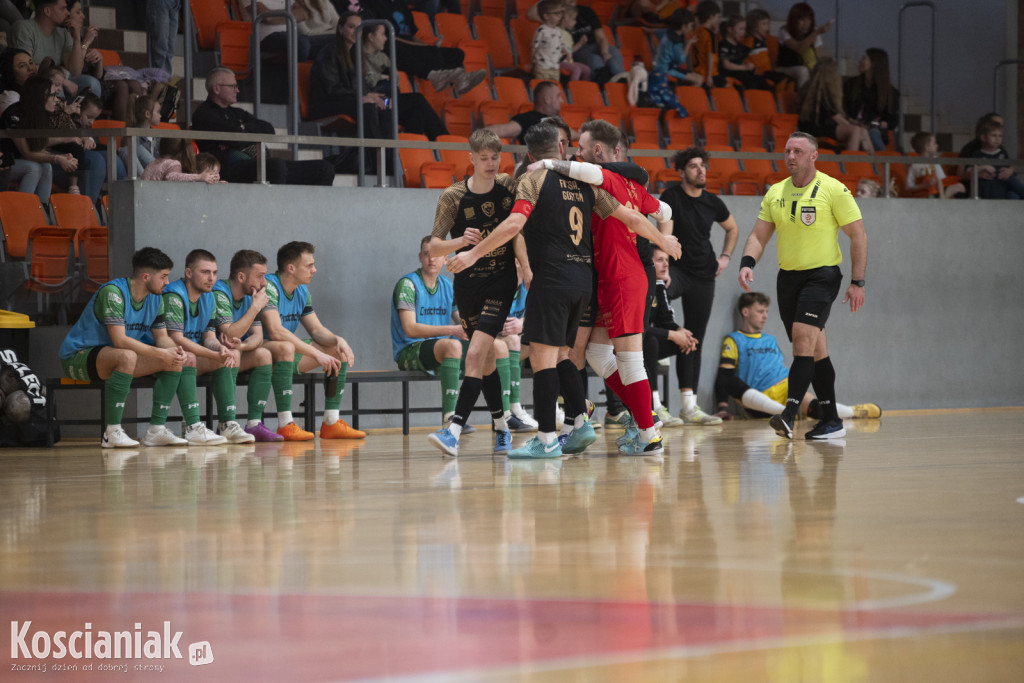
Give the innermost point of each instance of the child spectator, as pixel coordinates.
(177, 162)
(208, 162)
(705, 51)
(89, 110)
(995, 182)
(929, 178)
(548, 48)
(764, 48)
(671, 65)
(576, 71)
(800, 40)
(732, 54)
(144, 113)
(868, 188)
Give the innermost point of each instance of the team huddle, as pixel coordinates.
(575, 234)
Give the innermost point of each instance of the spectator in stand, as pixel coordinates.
(603, 58)
(32, 169)
(177, 162)
(869, 98)
(929, 178)
(89, 111)
(974, 145)
(800, 40)
(576, 71)
(273, 32)
(868, 189)
(705, 50)
(238, 159)
(547, 101)
(732, 54)
(9, 14)
(671, 66)
(547, 47)
(161, 31)
(415, 114)
(208, 162)
(820, 109)
(764, 47)
(994, 182)
(54, 32)
(442, 66)
(321, 20)
(15, 68)
(145, 113)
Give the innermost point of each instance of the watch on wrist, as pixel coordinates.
(859, 283)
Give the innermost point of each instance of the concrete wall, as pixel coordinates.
(941, 327)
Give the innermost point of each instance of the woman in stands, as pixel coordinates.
(33, 163)
(820, 109)
(799, 43)
(177, 162)
(869, 98)
(145, 113)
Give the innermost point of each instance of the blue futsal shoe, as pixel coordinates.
(636, 447)
(535, 448)
(445, 442)
(579, 439)
(632, 432)
(827, 429)
(502, 441)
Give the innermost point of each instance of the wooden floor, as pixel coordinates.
(897, 555)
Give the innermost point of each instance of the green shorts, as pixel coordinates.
(298, 357)
(82, 365)
(419, 356)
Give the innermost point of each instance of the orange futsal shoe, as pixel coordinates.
(291, 432)
(340, 430)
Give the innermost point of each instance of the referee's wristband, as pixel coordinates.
(748, 262)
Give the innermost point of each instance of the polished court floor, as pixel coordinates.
(895, 555)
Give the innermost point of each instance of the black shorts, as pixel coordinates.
(484, 304)
(806, 296)
(590, 313)
(553, 315)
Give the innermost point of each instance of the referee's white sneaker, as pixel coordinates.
(199, 434)
(160, 435)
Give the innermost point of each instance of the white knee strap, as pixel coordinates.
(602, 359)
(631, 367)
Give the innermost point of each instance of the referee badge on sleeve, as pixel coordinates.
(807, 215)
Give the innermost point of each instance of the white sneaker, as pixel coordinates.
(668, 419)
(116, 438)
(199, 434)
(559, 417)
(699, 417)
(234, 433)
(161, 436)
(526, 419)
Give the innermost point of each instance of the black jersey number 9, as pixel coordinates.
(576, 223)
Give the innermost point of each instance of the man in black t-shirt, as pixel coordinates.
(238, 159)
(547, 101)
(694, 209)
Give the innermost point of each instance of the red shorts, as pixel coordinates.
(621, 303)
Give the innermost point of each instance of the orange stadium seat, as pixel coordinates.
(511, 91)
(745, 183)
(74, 211)
(575, 115)
(492, 113)
(727, 100)
(413, 159)
(680, 131)
(634, 39)
(92, 248)
(665, 178)
(762, 167)
(618, 97)
(19, 213)
(458, 116)
(49, 257)
(863, 169)
(493, 9)
(651, 164)
(609, 114)
(110, 57)
(761, 102)
(475, 55)
(716, 131)
(234, 39)
(694, 99)
(492, 30)
(751, 131)
(437, 175)
(722, 167)
(522, 35)
(644, 122)
(424, 28)
(458, 158)
(453, 29)
(585, 93)
(206, 14)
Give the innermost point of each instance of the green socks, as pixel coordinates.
(117, 387)
(188, 398)
(223, 381)
(449, 373)
(281, 379)
(502, 365)
(333, 402)
(515, 376)
(259, 389)
(163, 393)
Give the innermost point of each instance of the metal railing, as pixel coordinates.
(899, 67)
(995, 80)
(292, 50)
(360, 130)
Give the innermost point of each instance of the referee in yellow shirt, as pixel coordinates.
(808, 209)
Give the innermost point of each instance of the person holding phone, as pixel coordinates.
(800, 42)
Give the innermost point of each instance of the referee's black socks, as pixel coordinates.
(824, 382)
(800, 374)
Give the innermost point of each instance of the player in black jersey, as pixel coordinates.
(468, 211)
(553, 212)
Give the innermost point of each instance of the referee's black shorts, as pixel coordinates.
(553, 315)
(806, 296)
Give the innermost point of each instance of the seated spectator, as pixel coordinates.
(671, 64)
(994, 182)
(145, 113)
(800, 41)
(820, 109)
(764, 47)
(549, 49)
(974, 145)
(415, 114)
(89, 110)
(547, 101)
(732, 54)
(652, 13)
(55, 32)
(92, 165)
(442, 66)
(753, 370)
(603, 58)
(273, 32)
(208, 162)
(705, 49)
(576, 71)
(870, 100)
(425, 329)
(321, 19)
(121, 82)
(177, 162)
(929, 178)
(868, 189)
(238, 159)
(15, 68)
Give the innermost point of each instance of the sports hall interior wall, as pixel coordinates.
(941, 327)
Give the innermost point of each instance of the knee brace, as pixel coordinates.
(631, 367)
(602, 359)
